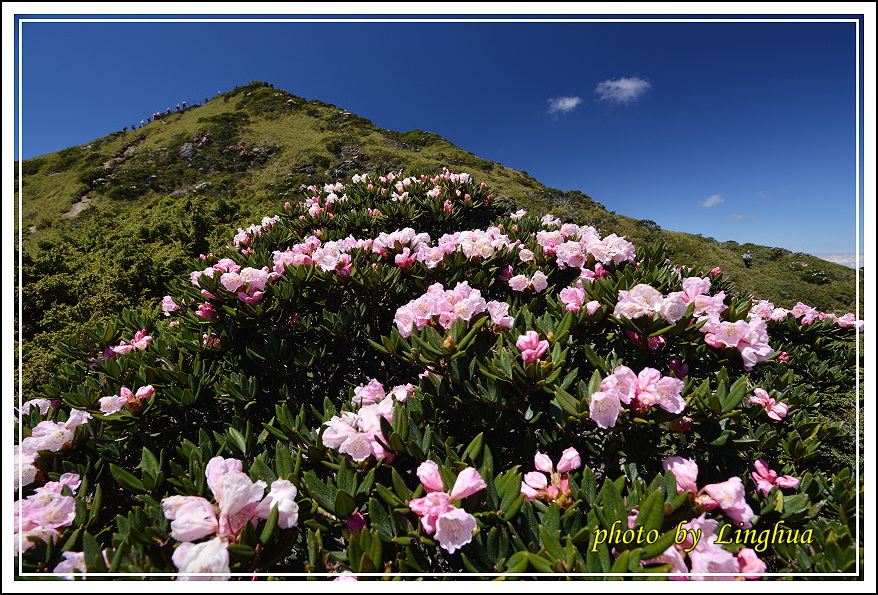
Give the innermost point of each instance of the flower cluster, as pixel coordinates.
(444, 307)
(46, 435)
(766, 479)
(775, 410)
(537, 282)
(238, 501)
(749, 337)
(454, 527)
(141, 341)
(572, 245)
(555, 488)
(640, 391)
(706, 557)
(134, 401)
(244, 236)
(573, 299)
(357, 434)
(42, 514)
(532, 348)
(727, 495)
(804, 313)
(645, 300)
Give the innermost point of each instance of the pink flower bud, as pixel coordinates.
(428, 473)
(468, 483)
(542, 462)
(569, 460)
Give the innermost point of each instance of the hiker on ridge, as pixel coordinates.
(748, 259)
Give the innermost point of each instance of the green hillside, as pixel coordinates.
(105, 224)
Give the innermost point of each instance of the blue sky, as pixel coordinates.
(739, 131)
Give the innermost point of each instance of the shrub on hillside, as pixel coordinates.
(390, 375)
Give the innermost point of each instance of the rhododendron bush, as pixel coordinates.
(398, 374)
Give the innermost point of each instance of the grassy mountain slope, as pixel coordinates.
(106, 223)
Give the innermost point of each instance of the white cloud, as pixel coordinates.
(562, 105)
(712, 201)
(622, 90)
(848, 260)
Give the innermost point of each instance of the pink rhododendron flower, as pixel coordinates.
(115, 403)
(674, 307)
(604, 408)
(707, 558)
(641, 300)
(531, 347)
(519, 283)
(499, 313)
(141, 341)
(205, 310)
(750, 564)
(685, 472)
(775, 410)
(555, 487)
(169, 305)
(42, 514)
(282, 496)
(72, 562)
(192, 517)
(765, 478)
(641, 391)
(369, 394)
(428, 473)
(572, 298)
(357, 434)
(729, 495)
(468, 483)
(429, 508)
(206, 557)
(454, 529)
(41, 404)
(346, 575)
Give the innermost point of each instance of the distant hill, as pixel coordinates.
(107, 222)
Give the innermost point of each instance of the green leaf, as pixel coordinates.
(736, 394)
(127, 480)
(238, 439)
(539, 563)
(94, 559)
(399, 486)
(344, 504)
(651, 550)
(566, 401)
(270, 526)
(95, 505)
(551, 519)
(652, 511)
(324, 494)
(475, 447)
(241, 550)
(380, 520)
(551, 543)
(612, 501)
(388, 496)
(283, 461)
(149, 465)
